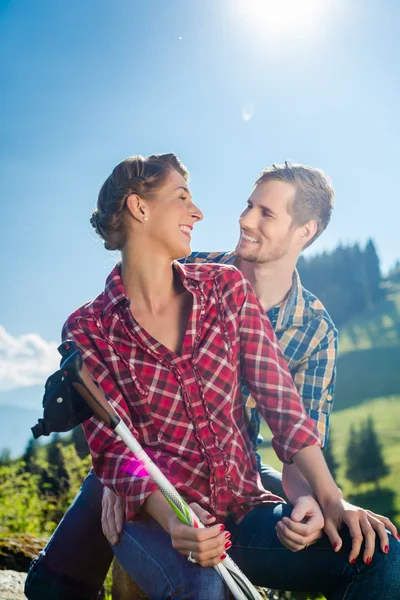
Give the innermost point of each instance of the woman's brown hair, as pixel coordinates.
(134, 175)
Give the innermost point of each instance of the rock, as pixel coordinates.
(12, 585)
(17, 552)
(123, 587)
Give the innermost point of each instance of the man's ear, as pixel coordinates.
(308, 231)
(137, 207)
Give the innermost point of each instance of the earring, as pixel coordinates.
(145, 218)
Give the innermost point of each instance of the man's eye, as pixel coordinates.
(182, 197)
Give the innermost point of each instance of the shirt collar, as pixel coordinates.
(114, 292)
(292, 309)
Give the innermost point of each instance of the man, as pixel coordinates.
(290, 206)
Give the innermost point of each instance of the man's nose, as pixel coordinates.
(247, 219)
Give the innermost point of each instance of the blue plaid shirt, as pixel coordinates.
(308, 340)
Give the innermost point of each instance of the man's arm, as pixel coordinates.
(315, 381)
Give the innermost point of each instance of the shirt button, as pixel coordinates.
(184, 366)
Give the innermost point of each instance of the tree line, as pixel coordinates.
(347, 280)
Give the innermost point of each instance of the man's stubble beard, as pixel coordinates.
(273, 255)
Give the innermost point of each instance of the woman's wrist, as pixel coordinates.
(329, 497)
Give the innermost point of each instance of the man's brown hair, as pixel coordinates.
(314, 197)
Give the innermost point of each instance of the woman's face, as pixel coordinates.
(171, 217)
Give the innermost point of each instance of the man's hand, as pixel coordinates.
(304, 527)
(207, 546)
(362, 524)
(112, 515)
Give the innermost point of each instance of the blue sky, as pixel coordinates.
(226, 84)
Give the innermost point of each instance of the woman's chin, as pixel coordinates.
(183, 250)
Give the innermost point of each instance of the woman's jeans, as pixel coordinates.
(76, 559)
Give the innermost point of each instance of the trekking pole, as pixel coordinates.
(74, 369)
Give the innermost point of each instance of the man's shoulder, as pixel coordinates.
(225, 257)
(315, 316)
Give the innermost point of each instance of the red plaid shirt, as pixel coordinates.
(186, 410)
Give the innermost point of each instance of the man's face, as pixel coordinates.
(266, 228)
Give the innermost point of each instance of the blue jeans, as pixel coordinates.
(75, 562)
(146, 553)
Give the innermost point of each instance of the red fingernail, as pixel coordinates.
(353, 562)
(210, 517)
(368, 560)
(386, 549)
(335, 545)
(221, 527)
(223, 556)
(228, 545)
(398, 536)
(227, 535)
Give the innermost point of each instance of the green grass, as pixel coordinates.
(386, 415)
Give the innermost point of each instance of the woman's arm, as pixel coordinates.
(114, 464)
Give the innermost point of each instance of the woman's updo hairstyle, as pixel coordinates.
(134, 175)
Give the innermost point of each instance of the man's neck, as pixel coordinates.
(270, 281)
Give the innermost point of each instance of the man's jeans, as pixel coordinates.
(75, 561)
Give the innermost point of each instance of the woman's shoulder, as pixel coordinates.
(87, 312)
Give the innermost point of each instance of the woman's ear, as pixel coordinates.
(137, 207)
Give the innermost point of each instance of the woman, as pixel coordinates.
(165, 342)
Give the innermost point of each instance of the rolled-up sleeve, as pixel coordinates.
(114, 464)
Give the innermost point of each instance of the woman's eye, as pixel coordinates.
(182, 197)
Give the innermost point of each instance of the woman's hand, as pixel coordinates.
(363, 526)
(112, 515)
(208, 546)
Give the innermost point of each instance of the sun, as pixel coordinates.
(299, 17)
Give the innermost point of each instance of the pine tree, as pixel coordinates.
(56, 480)
(373, 274)
(353, 452)
(30, 455)
(373, 466)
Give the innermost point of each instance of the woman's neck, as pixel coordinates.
(149, 281)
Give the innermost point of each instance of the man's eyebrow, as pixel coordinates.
(182, 187)
(268, 210)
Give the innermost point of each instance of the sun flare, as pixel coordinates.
(299, 17)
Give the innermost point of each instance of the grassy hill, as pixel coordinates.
(369, 354)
